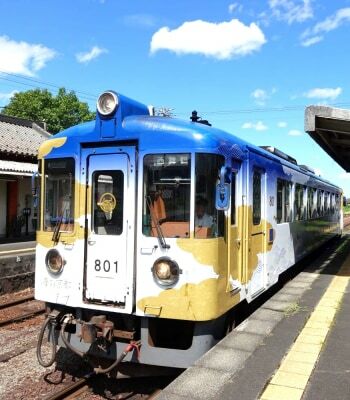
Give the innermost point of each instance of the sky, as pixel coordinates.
(249, 66)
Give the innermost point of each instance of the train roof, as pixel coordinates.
(132, 123)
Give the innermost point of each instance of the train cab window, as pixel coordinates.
(299, 202)
(256, 198)
(59, 194)
(107, 202)
(283, 201)
(208, 221)
(167, 195)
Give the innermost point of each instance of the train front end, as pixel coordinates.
(126, 271)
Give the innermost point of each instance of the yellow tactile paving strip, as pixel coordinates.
(290, 380)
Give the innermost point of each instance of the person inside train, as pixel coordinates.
(202, 219)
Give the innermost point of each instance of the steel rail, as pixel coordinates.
(71, 391)
(22, 316)
(17, 301)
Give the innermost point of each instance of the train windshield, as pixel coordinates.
(167, 194)
(59, 194)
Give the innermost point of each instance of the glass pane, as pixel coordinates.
(208, 221)
(167, 194)
(233, 199)
(299, 202)
(279, 200)
(256, 198)
(108, 202)
(59, 194)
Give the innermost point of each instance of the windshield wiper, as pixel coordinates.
(56, 232)
(155, 221)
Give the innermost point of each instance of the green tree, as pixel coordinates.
(59, 112)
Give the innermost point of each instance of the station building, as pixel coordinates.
(19, 143)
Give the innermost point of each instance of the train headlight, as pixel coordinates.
(54, 261)
(107, 103)
(166, 271)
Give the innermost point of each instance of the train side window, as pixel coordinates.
(332, 204)
(283, 201)
(327, 203)
(299, 202)
(320, 207)
(167, 194)
(337, 204)
(233, 199)
(311, 204)
(256, 198)
(208, 221)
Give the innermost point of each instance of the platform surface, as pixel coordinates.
(295, 346)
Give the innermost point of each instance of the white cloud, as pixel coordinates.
(291, 10)
(260, 96)
(235, 7)
(295, 132)
(90, 55)
(323, 93)
(223, 40)
(22, 57)
(258, 126)
(282, 124)
(7, 96)
(314, 35)
(311, 41)
(140, 20)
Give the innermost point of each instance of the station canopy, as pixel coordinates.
(330, 128)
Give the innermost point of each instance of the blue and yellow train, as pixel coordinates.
(153, 229)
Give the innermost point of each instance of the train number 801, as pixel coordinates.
(105, 265)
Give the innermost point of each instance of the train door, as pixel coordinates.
(236, 241)
(110, 221)
(256, 232)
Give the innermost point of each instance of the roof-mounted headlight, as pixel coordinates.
(107, 103)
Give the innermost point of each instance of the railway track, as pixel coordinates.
(84, 386)
(20, 309)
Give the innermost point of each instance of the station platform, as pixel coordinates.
(295, 346)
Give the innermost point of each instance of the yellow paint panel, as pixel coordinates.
(46, 147)
(197, 302)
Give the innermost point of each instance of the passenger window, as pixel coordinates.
(299, 202)
(108, 197)
(283, 201)
(256, 198)
(320, 207)
(311, 206)
(208, 221)
(167, 195)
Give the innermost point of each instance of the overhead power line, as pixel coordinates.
(86, 95)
